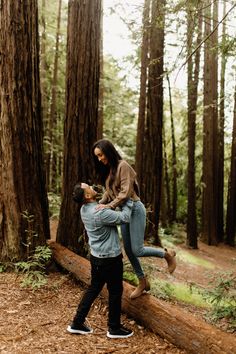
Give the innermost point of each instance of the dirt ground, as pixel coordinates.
(36, 321)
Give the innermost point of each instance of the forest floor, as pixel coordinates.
(35, 321)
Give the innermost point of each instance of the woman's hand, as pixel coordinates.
(102, 206)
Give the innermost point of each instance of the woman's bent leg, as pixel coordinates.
(137, 231)
(125, 231)
(143, 281)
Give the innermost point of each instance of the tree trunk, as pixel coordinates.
(221, 134)
(80, 128)
(174, 160)
(153, 145)
(193, 78)
(53, 117)
(101, 87)
(209, 210)
(231, 198)
(166, 320)
(166, 180)
(44, 88)
(24, 222)
(214, 70)
(143, 94)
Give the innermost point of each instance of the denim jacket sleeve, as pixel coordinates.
(112, 217)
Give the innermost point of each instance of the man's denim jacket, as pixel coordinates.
(101, 227)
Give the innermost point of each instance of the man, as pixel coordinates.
(105, 258)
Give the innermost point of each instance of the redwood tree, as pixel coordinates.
(210, 135)
(81, 120)
(231, 198)
(221, 132)
(193, 78)
(143, 95)
(24, 220)
(152, 150)
(52, 156)
(174, 159)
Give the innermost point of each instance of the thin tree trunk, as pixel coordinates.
(153, 144)
(221, 136)
(174, 160)
(214, 70)
(53, 111)
(231, 198)
(143, 95)
(166, 179)
(43, 66)
(101, 86)
(193, 78)
(209, 215)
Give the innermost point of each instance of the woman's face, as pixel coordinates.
(100, 155)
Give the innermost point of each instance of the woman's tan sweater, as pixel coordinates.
(123, 187)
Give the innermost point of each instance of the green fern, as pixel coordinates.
(34, 268)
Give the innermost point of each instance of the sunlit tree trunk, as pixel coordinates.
(43, 64)
(174, 160)
(24, 222)
(193, 78)
(53, 116)
(81, 120)
(222, 123)
(101, 86)
(210, 137)
(153, 143)
(143, 96)
(165, 180)
(231, 198)
(217, 201)
(44, 88)
(221, 134)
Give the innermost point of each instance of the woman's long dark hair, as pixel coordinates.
(113, 158)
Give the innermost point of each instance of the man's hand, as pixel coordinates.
(102, 206)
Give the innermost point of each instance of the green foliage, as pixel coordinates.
(34, 267)
(53, 140)
(130, 278)
(186, 293)
(228, 47)
(222, 296)
(120, 110)
(129, 275)
(2, 267)
(54, 204)
(172, 235)
(30, 231)
(195, 260)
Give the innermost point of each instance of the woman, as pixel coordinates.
(120, 181)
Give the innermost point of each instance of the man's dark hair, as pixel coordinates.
(78, 194)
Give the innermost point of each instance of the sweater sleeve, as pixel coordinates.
(126, 176)
(104, 198)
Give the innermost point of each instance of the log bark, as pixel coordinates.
(168, 321)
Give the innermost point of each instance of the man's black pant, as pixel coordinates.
(104, 271)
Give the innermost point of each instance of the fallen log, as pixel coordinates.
(168, 321)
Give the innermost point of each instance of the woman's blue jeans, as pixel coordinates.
(133, 239)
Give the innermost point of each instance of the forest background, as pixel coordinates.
(168, 106)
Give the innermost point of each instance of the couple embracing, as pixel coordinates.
(120, 205)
